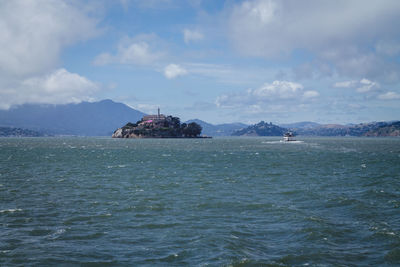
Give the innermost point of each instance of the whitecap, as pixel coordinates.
(60, 231)
(271, 142)
(10, 210)
(57, 233)
(283, 142)
(292, 142)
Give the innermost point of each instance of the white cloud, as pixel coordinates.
(366, 86)
(310, 94)
(389, 96)
(340, 33)
(58, 87)
(275, 93)
(172, 71)
(139, 50)
(33, 35)
(147, 108)
(346, 84)
(277, 90)
(191, 35)
(269, 27)
(137, 53)
(34, 32)
(362, 86)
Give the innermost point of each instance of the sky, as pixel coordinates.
(218, 61)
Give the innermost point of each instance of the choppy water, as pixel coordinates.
(196, 202)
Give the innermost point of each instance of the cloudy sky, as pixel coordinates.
(219, 61)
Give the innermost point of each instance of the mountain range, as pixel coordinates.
(18, 132)
(85, 119)
(300, 125)
(104, 117)
(315, 129)
(225, 129)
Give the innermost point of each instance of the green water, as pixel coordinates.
(198, 202)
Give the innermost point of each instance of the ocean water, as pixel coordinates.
(199, 202)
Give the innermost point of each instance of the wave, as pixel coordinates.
(10, 210)
(283, 142)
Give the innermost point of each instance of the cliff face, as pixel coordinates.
(165, 127)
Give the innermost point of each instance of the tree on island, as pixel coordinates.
(191, 130)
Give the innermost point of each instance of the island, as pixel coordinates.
(159, 126)
(261, 129)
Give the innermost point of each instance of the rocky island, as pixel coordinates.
(159, 126)
(261, 129)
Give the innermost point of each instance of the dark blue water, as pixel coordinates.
(197, 202)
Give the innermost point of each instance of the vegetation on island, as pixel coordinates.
(159, 127)
(261, 129)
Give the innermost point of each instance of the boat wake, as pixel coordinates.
(291, 142)
(283, 142)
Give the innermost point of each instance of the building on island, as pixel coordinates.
(154, 119)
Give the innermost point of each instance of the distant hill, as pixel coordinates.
(18, 132)
(315, 129)
(391, 129)
(341, 130)
(300, 125)
(87, 119)
(261, 129)
(225, 129)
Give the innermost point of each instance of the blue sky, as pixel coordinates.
(219, 61)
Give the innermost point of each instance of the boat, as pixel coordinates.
(289, 136)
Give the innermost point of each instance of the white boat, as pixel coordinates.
(289, 136)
